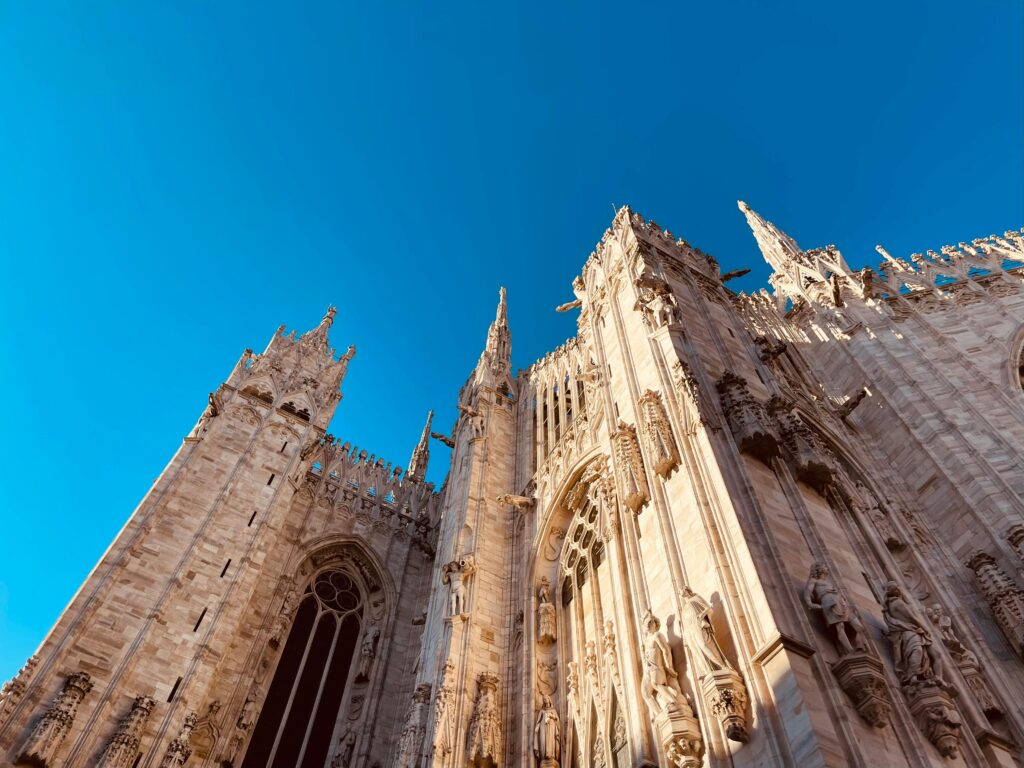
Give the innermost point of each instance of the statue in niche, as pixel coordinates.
(367, 651)
(547, 735)
(455, 574)
(822, 594)
(347, 746)
(483, 741)
(917, 659)
(660, 682)
(291, 599)
(247, 716)
(699, 634)
(444, 713)
(546, 620)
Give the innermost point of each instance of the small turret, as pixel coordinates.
(421, 454)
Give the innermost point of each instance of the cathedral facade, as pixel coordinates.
(712, 529)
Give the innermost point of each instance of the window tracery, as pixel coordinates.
(317, 666)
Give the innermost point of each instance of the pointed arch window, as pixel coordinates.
(587, 596)
(297, 722)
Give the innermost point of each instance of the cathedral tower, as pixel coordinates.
(711, 529)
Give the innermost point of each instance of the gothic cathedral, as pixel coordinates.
(713, 529)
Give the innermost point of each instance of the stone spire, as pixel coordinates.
(421, 454)
(779, 249)
(318, 336)
(498, 352)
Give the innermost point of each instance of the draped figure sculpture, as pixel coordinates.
(699, 634)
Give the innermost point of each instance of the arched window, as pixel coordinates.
(297, 721)
(587, 599)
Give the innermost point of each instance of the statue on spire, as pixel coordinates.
(421, 454)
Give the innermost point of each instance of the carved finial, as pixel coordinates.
(421, 455)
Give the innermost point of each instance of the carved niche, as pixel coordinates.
(415, 724)
(859, 672)
(1004, 597)
(444, 713)
(179, 750)
(809, 458)
(721, 684)
(46, 738)
(629, 467)
(673, 719)
(483, 739)
(124, 745)
(921, 671)
(658, 434)
(747, 419)
(966, 661)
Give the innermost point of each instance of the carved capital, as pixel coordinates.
(747, 419)
(726, 696)
(862, 678)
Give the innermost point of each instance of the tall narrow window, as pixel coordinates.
(297, 720)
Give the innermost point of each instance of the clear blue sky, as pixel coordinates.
(177, 179)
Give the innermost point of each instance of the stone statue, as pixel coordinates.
(412, 734)
(483, 740)
(247, 716)
(456, 574)
(367, 651)
(661, 688)
(546, 618)
(347, 746)
(699, 634)
(124, 744)
(822, 594)
(916, 658)
(547, 735)
(444, 713)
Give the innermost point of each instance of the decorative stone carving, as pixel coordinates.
(415, 724)
(1015, 536)
(521, 503)
(671, 715)
(346, 748)
(14, 689)
(862, 678)
(572, 686)
(211, 412)
(179, 750)
(611, 655)
(809, 458)
(284, 617)
(859, 673)
(547, 632)
(1004, 597)
(547, 735)
(747, 419)
(722, 685)
(456, 575)
(124, 745)
(46, 738)
(483, 739)
(727, 697)
(822, 595)
(368, 651)
(630, 468)
(921, 671)
(880, 519)
(966, 662)
(444, 713)
(658, 434)
(690, 390)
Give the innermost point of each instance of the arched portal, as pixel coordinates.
(323, 657)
